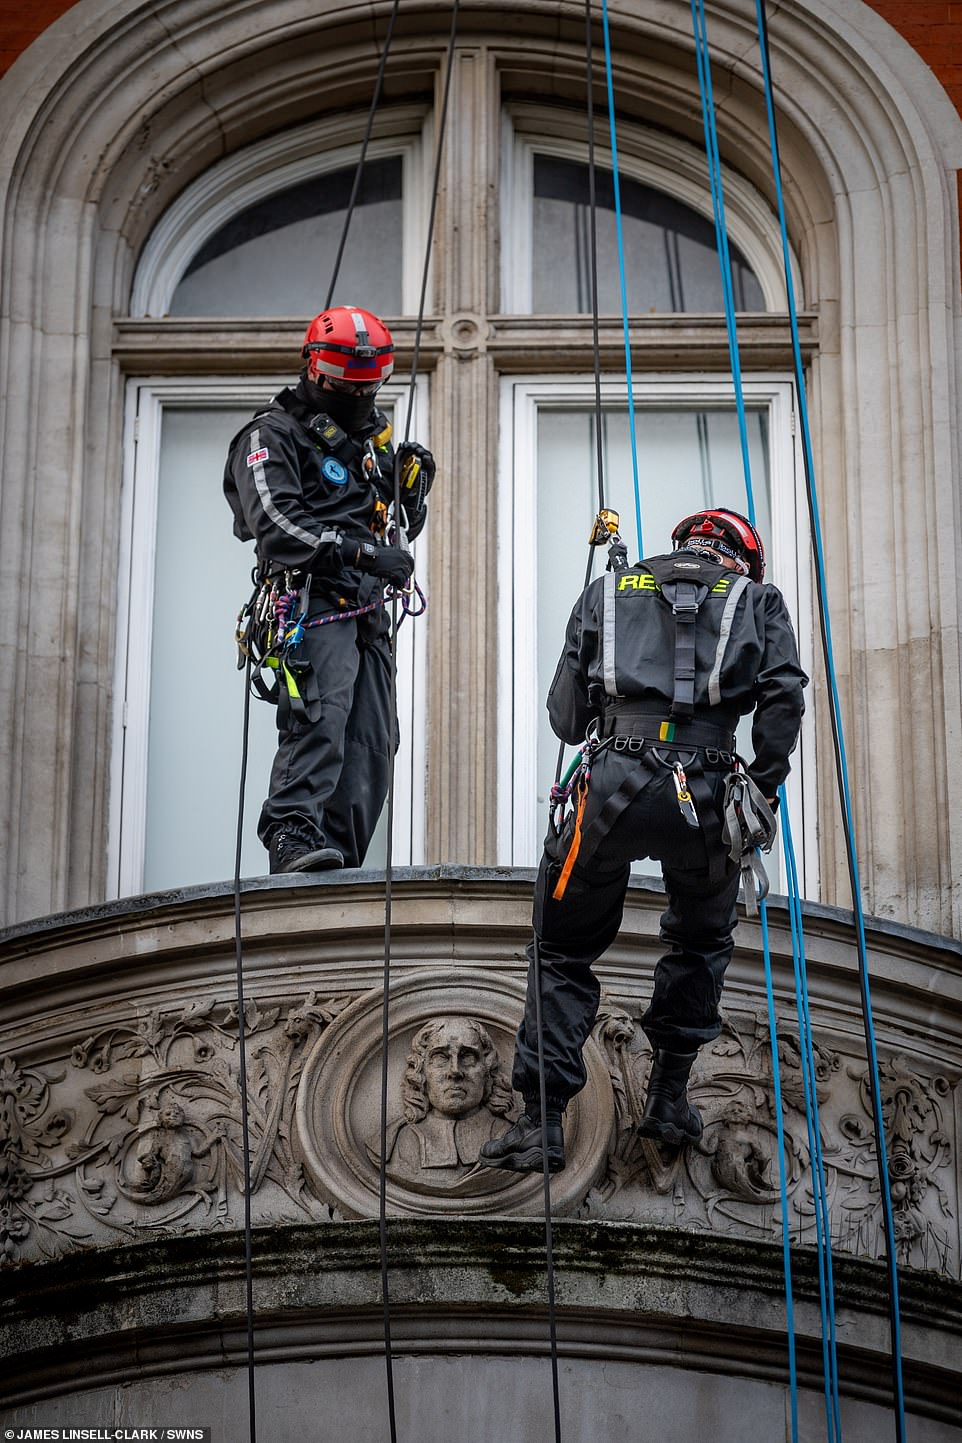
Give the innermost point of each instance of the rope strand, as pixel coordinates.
(389, 855)
(841, 766)
(619, 231)
(359, 168)
(703, 59)
(242, 1080)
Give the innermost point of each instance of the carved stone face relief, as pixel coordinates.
(449, 1060)
(455, 1097)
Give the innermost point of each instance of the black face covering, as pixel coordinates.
(349, 412)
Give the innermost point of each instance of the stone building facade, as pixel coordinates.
(143, 147)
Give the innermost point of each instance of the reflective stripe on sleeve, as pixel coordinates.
(310, 538)
(724, 632)
(608, 635)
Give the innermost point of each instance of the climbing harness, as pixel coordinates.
(271, 626)
(747, 829)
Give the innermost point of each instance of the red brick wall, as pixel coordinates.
(20, 23)
(934, 29)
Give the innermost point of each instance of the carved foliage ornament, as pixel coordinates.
(139, 1130)
(729, 1180)
(157, 1139)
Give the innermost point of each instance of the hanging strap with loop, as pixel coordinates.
(685, 598)
(748, 827)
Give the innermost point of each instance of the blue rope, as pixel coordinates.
(823, 1227)
(782, 1180)
(724, 258)
(721, 229)
(621, 274)
(842, 767)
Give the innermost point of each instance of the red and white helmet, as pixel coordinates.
(728, 532)
(348, 344)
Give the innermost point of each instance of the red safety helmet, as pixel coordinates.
(348, 344)
(728, 532)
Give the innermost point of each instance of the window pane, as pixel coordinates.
(670, 257)
(202, 576)
(275, 258)
(687, 459)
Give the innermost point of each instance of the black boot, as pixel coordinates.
(521, 1147)
(669, 1115)
(292, 850)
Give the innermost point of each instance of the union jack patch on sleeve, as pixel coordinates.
(256, 456)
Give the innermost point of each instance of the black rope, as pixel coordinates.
(600, 467)
(593, 253)
(245, 747)
(242, 1044)
(442, 125)
(359, 169)
(548, 1235)
(389, 853)
(385, 1017)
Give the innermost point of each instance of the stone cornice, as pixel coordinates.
(624, 1291)
(523, 344)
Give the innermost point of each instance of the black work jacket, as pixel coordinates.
(298, 497)
(620, 650)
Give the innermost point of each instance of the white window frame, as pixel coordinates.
(146, 400)
(260, 171)
(519, 843)
(666, 162)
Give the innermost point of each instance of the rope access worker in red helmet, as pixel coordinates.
(660, 661)
(310, 479)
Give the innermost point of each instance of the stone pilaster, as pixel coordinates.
(461, 708)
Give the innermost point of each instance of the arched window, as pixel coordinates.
(257, 234)
(669, 248)
(278, 251)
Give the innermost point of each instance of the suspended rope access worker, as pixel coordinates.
(660, 661)
(311, 480)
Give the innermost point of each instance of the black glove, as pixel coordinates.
(414, 522)
(388, 562)
(415, 480)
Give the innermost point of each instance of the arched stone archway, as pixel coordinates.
(114, 109)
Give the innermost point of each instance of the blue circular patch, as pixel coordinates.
(334, 470)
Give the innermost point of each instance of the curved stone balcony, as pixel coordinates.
(121, 1178)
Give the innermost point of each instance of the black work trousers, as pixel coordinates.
(697, 928)
(330, 777)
